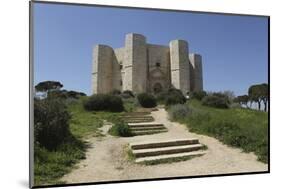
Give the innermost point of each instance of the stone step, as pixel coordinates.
(149, 132)
(145, 124)
(169, 156)
(166, 143)
(147, 128)
(166, 150)
(137, 113)
(137, 121)
(136, 116)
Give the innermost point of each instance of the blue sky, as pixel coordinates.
(233, 48)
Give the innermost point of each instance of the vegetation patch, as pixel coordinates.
(50, 166)
(179, 112)
(56, 148)
(120, 129)
(83, 123)
(104, 102)
(216, 100)
(130, 155)
(238, 127)
(171, 97)
(147, 100)
(198, 95)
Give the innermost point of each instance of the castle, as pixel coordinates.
(143, 67)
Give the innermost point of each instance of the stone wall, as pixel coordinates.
(180, 69)
(118, 71)
(102, 69)
(196, 72)
(158, 58)
(135, 63)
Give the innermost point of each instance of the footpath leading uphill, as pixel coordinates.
(159, 148)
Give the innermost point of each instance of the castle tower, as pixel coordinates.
(135, 63)
(180, 68)
(102, 69)
(196, 72)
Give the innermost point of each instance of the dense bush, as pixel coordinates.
(115, 92)
(198, 95)
(161, 97)
(147, 100)
(120, 129)
(174, 96)
(127, 94)
(104, 102)
(51, 123)
(179, 111)
(62, 94)
(216, 100)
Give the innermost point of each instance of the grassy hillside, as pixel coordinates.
(243, 128)
(50, 166)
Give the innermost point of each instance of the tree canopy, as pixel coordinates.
(259, 93)
(46, 86)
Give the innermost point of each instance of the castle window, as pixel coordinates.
(121, 66)
(157, 64)
(121, 82)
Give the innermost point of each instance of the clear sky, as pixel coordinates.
(233, 48)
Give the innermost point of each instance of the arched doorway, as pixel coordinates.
(157, 88)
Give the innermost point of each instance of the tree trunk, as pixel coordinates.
(265, 105)
(259, 104)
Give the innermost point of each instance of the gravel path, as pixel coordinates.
(106, 159)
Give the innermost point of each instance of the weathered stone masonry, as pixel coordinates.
(142, 67)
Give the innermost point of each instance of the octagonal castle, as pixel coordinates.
(143, 67)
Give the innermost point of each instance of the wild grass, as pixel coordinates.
(242, 128)
(83, 123)
(50, 166)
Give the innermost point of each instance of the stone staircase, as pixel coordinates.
(167, 149)
(142, 123)
(147, 128)
(137, 118)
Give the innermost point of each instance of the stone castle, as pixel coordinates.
(143, 67)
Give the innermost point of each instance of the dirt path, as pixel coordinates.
(106, 160)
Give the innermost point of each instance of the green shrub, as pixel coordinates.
(198, 95)
(51, 123)
(104, 102)
(147, 100)
(216, 100)
(161, 97)
(179, 112)
(129, 93)
(120, 129)
(174, 96)
(115, 92)
(62, 94)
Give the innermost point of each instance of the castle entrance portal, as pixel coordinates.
(157, 88)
